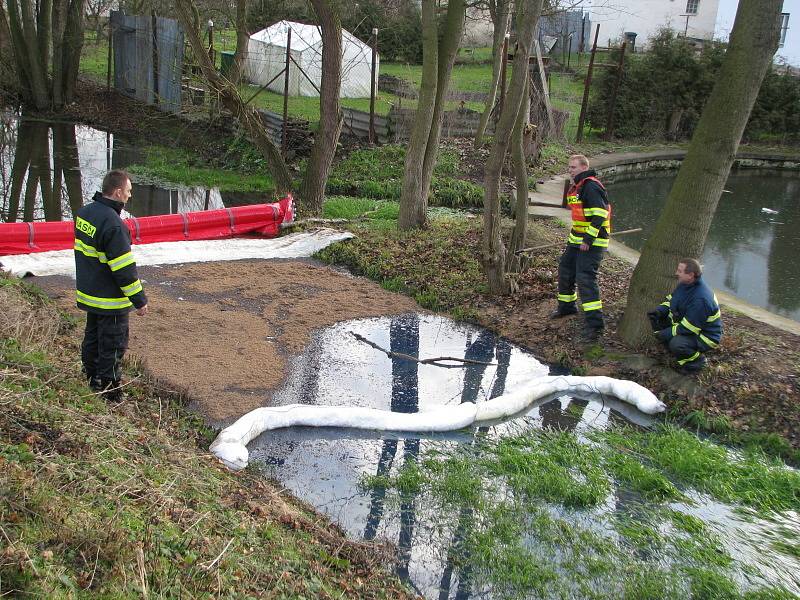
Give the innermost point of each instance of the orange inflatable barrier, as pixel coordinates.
(258, 219)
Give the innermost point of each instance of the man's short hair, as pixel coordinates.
(580, 158)
(114, 180)
(690, 265)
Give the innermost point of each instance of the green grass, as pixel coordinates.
(345, 207)
(378, 172)
(465, 78)
(519, 506)
(123, 501)
(172, 165)
(753, 480)
(94, 58)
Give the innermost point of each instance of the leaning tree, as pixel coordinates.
(683, 225)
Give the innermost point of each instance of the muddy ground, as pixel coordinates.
(223, 332)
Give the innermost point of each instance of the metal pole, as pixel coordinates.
(286, 91)
(613, 102)
(503, 72)
(154, 22)
(110, 54)
(372, 86)
(586, 85)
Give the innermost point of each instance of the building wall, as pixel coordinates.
(646, 17)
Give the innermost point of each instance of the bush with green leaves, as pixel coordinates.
(663, 91)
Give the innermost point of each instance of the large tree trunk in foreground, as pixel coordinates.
(502, 17)
(494, 253)
(230, 98)
(683, 225)
(422, 152)
(312, 190)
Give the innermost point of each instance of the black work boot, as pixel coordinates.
(112, 390)
(562, 311)
(591, 334)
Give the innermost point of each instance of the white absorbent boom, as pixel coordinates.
(230, 446)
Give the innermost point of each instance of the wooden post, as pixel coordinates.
(372, 85)
(545, 89)
(286, 92)
(613, 101)
(503, 66)
(586, 85)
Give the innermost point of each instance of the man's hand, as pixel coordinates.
(584, 246)
(142, 311)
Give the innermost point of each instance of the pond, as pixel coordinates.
(750, 252)
(580, 497)
(48, 170)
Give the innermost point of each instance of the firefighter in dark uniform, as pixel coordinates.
(107, 283)
(586, 246)
(689, 321)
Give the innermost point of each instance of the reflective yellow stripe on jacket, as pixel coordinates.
(103, 303)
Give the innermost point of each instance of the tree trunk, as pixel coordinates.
(312, 190)
(242, 38)
(500, 29)
(59, 17)
(448, 49)
(26, 50)
(412, 203)
(494, 256)
(73, 45)
(683, 225)
(518, 137)
(229, 96)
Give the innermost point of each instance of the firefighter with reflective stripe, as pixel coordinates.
(689, 321)
(586, 246)
(107, 283)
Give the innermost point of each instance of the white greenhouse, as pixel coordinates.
(266, 58)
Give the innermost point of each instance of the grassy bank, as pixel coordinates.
(121, 500)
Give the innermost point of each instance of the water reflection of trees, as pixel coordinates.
(36, 175)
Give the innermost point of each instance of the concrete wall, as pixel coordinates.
(646, 17)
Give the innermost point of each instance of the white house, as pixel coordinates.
(693, 18)
(266, 58)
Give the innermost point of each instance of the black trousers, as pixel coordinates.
(581, 268)
(104, 343)
(687, 349)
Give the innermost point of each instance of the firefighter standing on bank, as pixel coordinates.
(107, 283)
(586, 245)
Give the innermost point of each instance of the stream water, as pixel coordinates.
(328, 467)
(48, 170)
(750, 252)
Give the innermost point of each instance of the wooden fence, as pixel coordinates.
(148, 59)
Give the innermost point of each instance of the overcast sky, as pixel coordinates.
(790, 50)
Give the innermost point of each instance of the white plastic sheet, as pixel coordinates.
(295, 245)
(230, 446)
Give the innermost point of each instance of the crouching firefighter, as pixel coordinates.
(107, 284)
(688, 322)
(586, 246)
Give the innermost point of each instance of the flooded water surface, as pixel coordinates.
(49, 170)
(537, 506)
(752, 246)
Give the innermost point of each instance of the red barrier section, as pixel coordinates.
(258, 219)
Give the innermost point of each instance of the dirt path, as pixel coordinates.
(224, 331)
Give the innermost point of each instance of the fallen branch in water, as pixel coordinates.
(437, 362)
